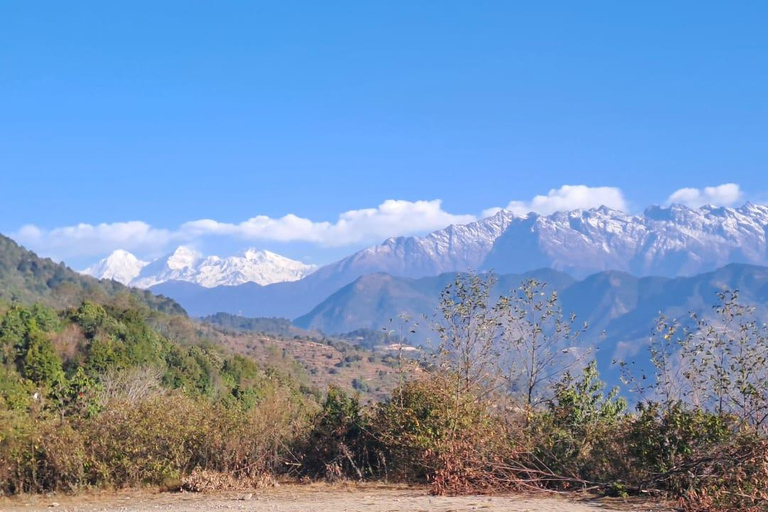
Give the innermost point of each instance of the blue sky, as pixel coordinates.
(168, 112)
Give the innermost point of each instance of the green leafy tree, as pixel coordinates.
(41, 364)
(77, 396)
(582, 403)
(91, 317)
(16, 324)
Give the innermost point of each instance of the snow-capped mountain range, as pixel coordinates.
(669, 241)
(185, 264)
(457, 247)
(664, 241)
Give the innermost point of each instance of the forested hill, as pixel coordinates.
(26, 278)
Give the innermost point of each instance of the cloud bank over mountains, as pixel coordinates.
(567, 198)
(353, 227)
(727, 194)
(87, 240)
(390, 218)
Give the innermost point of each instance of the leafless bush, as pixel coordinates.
(131, 385)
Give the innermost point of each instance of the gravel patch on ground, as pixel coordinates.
(316, 498)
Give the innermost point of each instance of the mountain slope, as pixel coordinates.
(455, 248)
(662, 241)
(372, 300)
(27, 278)
(617, 306)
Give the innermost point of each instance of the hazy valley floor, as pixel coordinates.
(315, 498)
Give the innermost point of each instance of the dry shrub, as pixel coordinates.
(166, 437)
(491, 458)
(475, 462)
(259, 440)
(733, 477)
(39, 455)
(413, 425)
(206, 480)
(340, 444)
(156, 439)
(453, 440)
(69, 342)
(148, 441)
(16, 453)
(62, 456)
(569, 457)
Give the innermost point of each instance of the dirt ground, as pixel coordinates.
(316, 498)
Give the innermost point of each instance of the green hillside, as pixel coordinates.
(27, 278)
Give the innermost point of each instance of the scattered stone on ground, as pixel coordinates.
(319, 498)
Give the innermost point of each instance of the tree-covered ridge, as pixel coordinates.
(27, 278)
(277, 326)
(103, 395)
(285, 329)
(60, 360)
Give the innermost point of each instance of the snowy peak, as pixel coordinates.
(121, 266)
(256, 255)
(182, 258)
(180, 265)
(250, 266)
(187, 264)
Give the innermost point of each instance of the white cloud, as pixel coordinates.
(567, 198)
(391, 218)
(490, 212)
(727, 194)
(83, 240)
